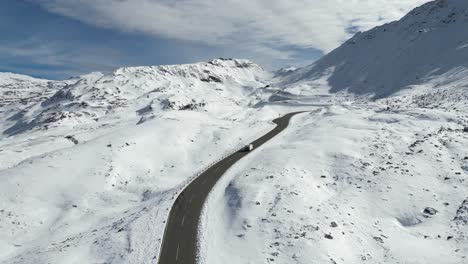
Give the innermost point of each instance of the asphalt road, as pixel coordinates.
(179, 244)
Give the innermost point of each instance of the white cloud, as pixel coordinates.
(264, 26)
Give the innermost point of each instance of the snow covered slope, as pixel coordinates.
(18, 90)
(88, 171)
(430, 41)
(350, 183)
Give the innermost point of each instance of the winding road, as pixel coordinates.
(179, 245)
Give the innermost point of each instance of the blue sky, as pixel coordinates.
(57, 39)
(39, 43)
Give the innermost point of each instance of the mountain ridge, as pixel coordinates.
(428, 42)
(143, 91)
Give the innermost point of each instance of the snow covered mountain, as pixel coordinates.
(431, 42)
(137, 91)
(91, 163)
(90, 166)
(358, 180)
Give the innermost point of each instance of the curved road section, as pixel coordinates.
(179, 245)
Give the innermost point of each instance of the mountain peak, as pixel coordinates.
(430, 41)
(446, 11)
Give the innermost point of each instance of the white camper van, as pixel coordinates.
(248, 148)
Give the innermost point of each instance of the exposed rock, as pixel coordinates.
(379, 239)
(72, 139)
(211, 79)
(461, 216)
(430, 211)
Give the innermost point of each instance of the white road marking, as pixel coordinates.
(177, 253)
(183, 220)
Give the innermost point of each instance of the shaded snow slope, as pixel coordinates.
(430, 41)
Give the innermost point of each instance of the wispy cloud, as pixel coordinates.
(55, 38)
(260, 25)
